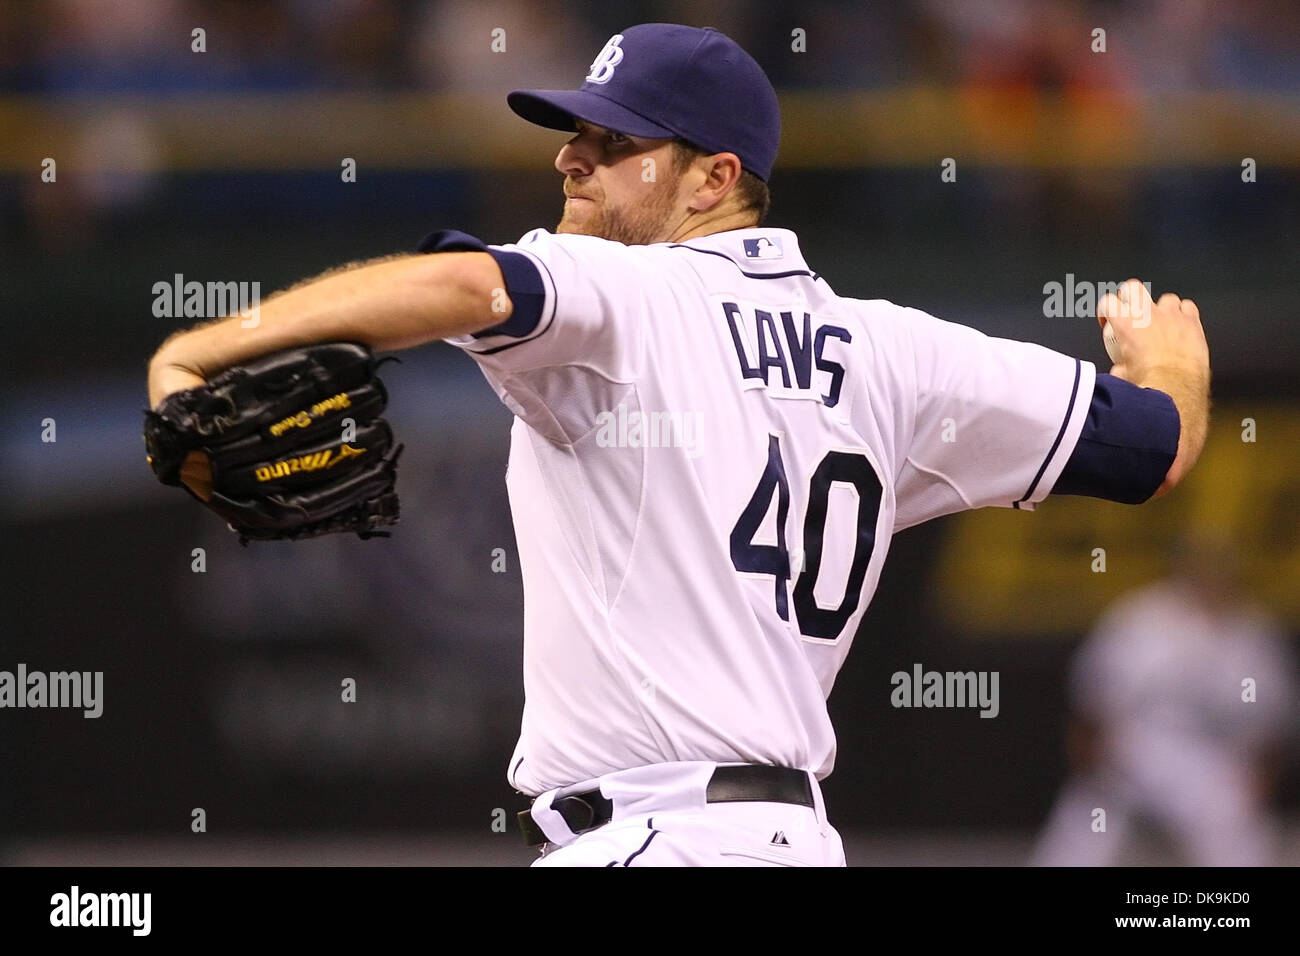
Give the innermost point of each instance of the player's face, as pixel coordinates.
(619, 187)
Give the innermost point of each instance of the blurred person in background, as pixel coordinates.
(1182, 702)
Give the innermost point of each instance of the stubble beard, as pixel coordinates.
(636, 224)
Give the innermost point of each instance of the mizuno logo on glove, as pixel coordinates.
(321, 459)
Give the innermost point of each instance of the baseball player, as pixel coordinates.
(711, 451)
(1182, 701)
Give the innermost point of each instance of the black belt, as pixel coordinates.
(751, 783)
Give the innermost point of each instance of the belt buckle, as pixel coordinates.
(578, 803)
(577, 811)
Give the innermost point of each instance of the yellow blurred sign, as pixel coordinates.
(1008, 573)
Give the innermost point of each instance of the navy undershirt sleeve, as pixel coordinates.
(523, 281)
(1128, 442)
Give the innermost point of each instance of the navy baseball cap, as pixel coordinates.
(664, 80)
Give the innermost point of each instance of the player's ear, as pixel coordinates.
(721, 173)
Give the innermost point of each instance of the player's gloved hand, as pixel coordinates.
(288, 446)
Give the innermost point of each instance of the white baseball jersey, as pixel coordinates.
(710, 454)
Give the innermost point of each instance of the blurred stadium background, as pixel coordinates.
(222, 687)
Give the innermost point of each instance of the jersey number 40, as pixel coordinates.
(847, 467)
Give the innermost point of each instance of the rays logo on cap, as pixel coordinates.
(763, 248)
(602, 68)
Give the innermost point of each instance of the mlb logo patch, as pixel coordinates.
(764, 247)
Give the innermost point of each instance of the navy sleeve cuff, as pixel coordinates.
(1128, 442)
(527, 295)
(523, 281)
(451, 240)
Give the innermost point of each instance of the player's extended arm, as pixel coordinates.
(1162, 346)
(393, 303)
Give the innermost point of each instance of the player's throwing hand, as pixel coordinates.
(1150, 335)
(1162, 345)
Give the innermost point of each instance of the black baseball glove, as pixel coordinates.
(288, 446)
